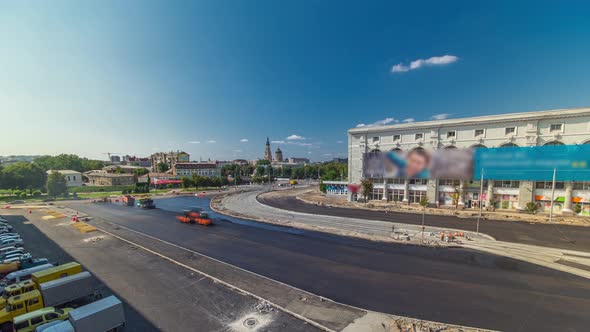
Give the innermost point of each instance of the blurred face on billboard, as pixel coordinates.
(417, 161)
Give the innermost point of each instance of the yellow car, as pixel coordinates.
(29, 321)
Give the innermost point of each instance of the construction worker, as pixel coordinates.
(442, 236)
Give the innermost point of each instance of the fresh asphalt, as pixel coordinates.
(548, 235)
(447, 285)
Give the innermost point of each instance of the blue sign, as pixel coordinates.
(536, 163)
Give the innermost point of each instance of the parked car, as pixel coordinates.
(9, 237)
(3, 220)
(29, 321)
(13, 258)
(9, 234)
(18, 201)
(6, 250)
(3, 224)
(11, 243)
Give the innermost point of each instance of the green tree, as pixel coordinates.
(141, 171)
(163, 167)
(366, 188)
(56, 184)
(186, 182)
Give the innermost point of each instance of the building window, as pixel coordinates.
(416, 195)
(396, 137)
(396, 181)
(555, 127)
(478, 132)
(509, 130)
(377, 194)
(549, 185)
(450, 183)
(375, 139)
(582, 186)
(418, 181)
(507, 184)
(451, 134)
(419, 136)
(395, 195)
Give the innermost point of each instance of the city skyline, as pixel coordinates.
(215, 80)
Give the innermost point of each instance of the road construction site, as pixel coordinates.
(239, 271)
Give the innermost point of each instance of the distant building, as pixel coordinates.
(101, 178)
(208, 169)
(122, 169)
(136, 161)
(241, 162)
(221, 163)
(340, 160)
(115, 159)
(169, 158)
(279, 155)
(267, 153)
(73, 178)
(298, 160)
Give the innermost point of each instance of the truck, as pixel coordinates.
(55, 293)
(128, 200)
(146, 203)
(100, 316)
(26, 261)
(60, 271)
(292, 182)
(24, 274)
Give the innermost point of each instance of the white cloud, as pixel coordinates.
(299, 143)
(238, 151)
(339, 142)
(295, 137)
(277, 142)
(433, 61)
(244, 140)
(194, 142)
(377, 123)
(309, 152)
(408, 120)
(440, 116)
(211, 141)
(327, 154)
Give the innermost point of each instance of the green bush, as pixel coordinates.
(23, 194)
(17, 193)
(531, 207)
(323, 188)
(577, 208)
(37, 193)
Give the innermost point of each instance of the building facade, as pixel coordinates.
(201, 169)
(556, 127)
(101, 178)
(73, 178)
(169, 158)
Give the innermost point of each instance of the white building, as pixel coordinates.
(555, 127)
(208, 169)
(73, 178)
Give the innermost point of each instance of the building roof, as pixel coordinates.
(509, 117)
(108, 175)
(195, 165)
(63, 171)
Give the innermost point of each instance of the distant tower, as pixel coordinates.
(279, 155)
(267, 153)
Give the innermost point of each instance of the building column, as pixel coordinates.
(406, 191)
(384, 198)
(461, 200)
(525, 194)
(432, 191)
(567, 204)
(490, 194)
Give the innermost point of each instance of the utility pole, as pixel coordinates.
(552, 195)
(480, 201)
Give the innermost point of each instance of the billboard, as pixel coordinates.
(535, 163)
(570, 162)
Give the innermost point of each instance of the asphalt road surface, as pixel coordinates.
(447, 285)
(555, 236)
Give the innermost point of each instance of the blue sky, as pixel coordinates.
(139, 76)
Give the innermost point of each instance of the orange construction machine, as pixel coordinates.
(195, 217)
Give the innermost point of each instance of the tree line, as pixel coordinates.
(33, 175)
